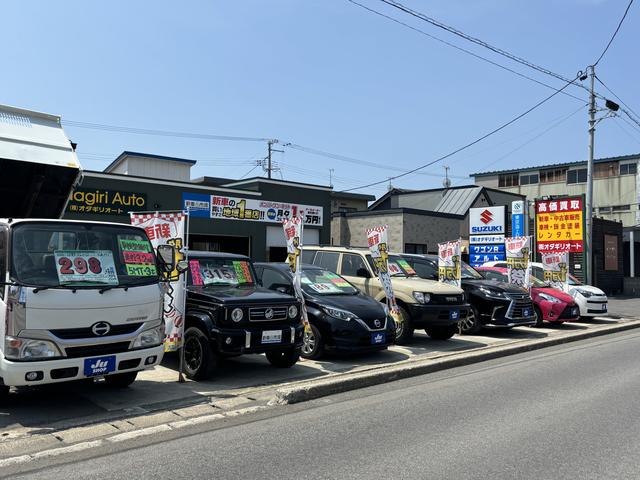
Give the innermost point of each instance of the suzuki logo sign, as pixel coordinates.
(487, 220)
(486, 216)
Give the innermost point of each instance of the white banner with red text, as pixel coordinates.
(518, 250)
(449, 263)
(293, 234)
(556, 269)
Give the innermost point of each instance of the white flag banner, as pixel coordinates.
(377, 241)
(449, 263)
(518, 250)
(556, 268)
(293, 233)
(168, 229)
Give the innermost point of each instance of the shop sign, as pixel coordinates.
(560, 225)
(486, 239)
(105, 202)
(477, 259)
(486, 220)
(197, 204)
(449, 263)
(517, 218)
(480, 249)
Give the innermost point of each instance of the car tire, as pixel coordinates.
(312, 344)
(4, 394)
(283, 358)
(121, 380)
(471, 325)
(442, 332)
(199, 359)
(539, 317)
(404, 329)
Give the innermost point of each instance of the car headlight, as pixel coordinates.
(339, 313)
(29, 349)
(492, 293)
(150, 338)
(583, 292)
(293, 311)
(237, 314)
(422, 297)
(549, 298)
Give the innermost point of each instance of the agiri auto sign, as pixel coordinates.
(560, 225)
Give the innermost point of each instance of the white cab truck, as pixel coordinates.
(78, 299)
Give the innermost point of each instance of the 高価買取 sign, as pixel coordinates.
(559, 225)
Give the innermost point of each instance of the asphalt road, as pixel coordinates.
(570, 411)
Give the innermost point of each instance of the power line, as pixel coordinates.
(162, 133)
(477, 140)
(614, 33)
(633, 137)
(617, 97)
(479, 57)
(477, 41)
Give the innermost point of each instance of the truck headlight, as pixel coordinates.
(293, 311)
(237, 314)
(150, 338)
(30, 349)
(422, 297)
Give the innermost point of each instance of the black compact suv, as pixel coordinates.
(493, 304)
(230, 314)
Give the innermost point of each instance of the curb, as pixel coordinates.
(329, 386)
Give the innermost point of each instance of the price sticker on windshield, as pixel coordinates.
(85, 266)
(394, 268)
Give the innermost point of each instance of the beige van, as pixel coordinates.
(433, 306)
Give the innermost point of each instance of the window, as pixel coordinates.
(415, 248)
(423, 267)
(347, 209)
(273, 280)
(553, 175)
(328, 260)
(605, 170)
(508, 180)
(628, 168)
(529, 179)
(307, 256)
(621, 208)
(577, 176)
(3, 257)
(602, 210)
(537, 272)
(352, 265)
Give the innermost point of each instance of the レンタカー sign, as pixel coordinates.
(560, 225)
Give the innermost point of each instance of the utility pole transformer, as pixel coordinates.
(589, 199)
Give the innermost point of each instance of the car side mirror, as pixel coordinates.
(363, 272)
(182, 266)
(166, 258)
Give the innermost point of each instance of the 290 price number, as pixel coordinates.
(79, 265)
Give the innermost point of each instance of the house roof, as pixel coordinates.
(353, 196)
(458, 201)
(634, 156)
(128, 153)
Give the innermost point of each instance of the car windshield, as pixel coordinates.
(325, 282)
(571, 280)
(220, 272)
(470, 273)
(536, 282)
(71, 255)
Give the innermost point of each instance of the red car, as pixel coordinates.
(551, 305)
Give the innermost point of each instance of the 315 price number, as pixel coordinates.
(79, 265)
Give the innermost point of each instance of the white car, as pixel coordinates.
(591, 300)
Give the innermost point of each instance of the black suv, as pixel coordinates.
(493, 304)
(229, 314)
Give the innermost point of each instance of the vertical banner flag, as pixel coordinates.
(556, 266)
(377, 241)
(449, 269)
(293, 234)
(168, 229)
(518, 249)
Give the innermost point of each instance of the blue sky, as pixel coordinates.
(324, 74)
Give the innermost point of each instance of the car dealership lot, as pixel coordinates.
(242, 382)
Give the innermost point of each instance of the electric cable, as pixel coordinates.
(614, 33)
(477, 140)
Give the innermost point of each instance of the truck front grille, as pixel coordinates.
(96, 350)
(267, 314)
(453, 299)
(75, 333)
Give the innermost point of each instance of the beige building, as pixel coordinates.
(615, 184)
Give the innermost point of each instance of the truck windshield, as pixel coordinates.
(220, 272)
(72, 255)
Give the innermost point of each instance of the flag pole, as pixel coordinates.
(185, 247)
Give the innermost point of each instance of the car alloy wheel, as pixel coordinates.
(309, 342)
(192, 354)
(312, 343)
(470, 324)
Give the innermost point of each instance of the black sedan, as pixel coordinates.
(342, 319)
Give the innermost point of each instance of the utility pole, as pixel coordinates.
(270, 149)
(331, 177)
(589, 211)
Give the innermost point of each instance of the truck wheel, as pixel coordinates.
(199, 360)
(471, 325)
(312, 344)
(121, 380)
(283, 358)
(404, 328)
(539, 317)
(444, 332)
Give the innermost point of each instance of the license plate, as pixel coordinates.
(604, 307)
(378, 338)
(271, 336)
(99, 366)
(454, 314)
